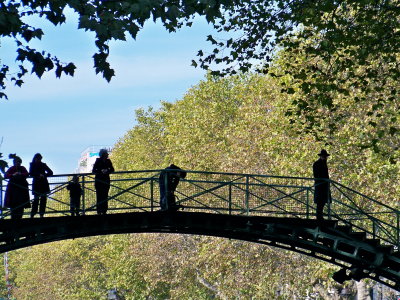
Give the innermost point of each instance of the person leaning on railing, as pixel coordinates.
(168, 182)
(322, 193)
(17, 192)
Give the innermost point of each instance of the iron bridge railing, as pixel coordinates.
(228, 193)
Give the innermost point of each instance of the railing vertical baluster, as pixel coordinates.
(308, 204)
(330, 201)
(397, 228)
(83, 195)
(166, 189)
(152, 193)
(247, 194)
(230, 198)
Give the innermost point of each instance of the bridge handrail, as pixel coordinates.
(364, 196)
(188, 171)
(235, 174)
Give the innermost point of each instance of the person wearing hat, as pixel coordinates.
(322, 193)
(40, 185)
(168, 182)
(102, 169)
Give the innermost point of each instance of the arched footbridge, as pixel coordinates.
(359, 234)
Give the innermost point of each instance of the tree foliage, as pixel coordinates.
(240, 124)
(340, 49)
(107, 19)
(365, 29)
(324, 104)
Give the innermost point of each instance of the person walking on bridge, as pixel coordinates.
(40, 185)
(322, 194)
(168, 182)
(102, 169)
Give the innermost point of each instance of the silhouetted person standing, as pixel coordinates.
(322, 194)
(40, 185)
(168, 181)
(102, 169)
(75, 192)
(17, 192)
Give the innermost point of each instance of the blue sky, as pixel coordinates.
(61, 117)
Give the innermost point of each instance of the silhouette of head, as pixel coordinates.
(16, 159)
(103, 153)
(323, 153)
(37, 157)
(180, 173)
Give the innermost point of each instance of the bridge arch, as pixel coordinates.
(327, 241)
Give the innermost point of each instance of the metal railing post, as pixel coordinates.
(308, 204)
(83, 195)
(330, 200)
(230, 198)
(166, 189)
(152, 194)
(397, 228)
(247, 194)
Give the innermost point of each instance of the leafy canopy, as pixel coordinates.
(334, 49)
(107, 19)
(334, 52)
(364, 28)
